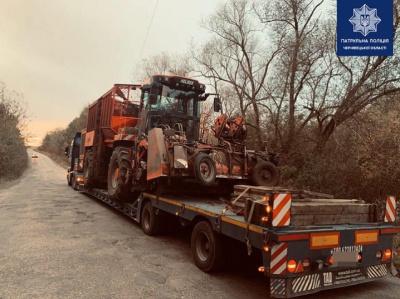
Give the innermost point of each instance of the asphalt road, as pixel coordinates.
(58, 243)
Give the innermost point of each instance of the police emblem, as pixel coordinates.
(365, 20)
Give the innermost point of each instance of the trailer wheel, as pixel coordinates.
(205, 170)
(265, 174)
(150, 222)
(88, 169)
(119, 186)
(207, 249)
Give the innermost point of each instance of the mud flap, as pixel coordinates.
(157, 158)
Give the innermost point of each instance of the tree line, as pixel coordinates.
(57, 140)
(332, 120)
(13, 155)
(275, 64)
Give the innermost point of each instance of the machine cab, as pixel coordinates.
(172, 102)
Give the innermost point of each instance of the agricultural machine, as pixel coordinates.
(134, 144)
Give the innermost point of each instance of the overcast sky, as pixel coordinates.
(64, 54)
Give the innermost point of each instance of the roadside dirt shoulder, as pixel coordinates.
(5, 184)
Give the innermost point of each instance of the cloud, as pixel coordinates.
(63, 54)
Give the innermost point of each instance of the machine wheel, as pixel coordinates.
(88, 169)
(150, 222)
(119, 186)
(265, 174)
(207, 249)
(204, 169)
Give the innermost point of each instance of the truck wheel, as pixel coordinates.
(265, 174)
(69, 179)
(204, 170)
(150, 222)
(74, 183)
(88, 169)
(119, 186)
(207, 249)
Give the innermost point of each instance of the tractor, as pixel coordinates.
(134, 145)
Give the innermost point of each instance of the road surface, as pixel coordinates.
(59, 243)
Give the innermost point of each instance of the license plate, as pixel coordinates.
(345, 259)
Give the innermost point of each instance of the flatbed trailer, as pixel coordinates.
(308, 244)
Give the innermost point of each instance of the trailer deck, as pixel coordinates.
(300, 258)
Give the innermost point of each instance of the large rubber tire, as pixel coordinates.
(88, 178)
(265, 174)
(205, 170)
(69, 179)
(74, 184)
(119, 188)
(207, 247)
(150, 222)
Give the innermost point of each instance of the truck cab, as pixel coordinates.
(74, 175)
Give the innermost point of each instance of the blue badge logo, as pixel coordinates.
(364, 28)
(365, 20)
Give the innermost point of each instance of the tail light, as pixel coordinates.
(378, 255)
(329, 260)
(301, 266)
(266, 248)
(388, 254)
(291, 266)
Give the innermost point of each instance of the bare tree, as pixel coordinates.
(14, 105)
(365, 80)
(303, 69)
(13, 157)
(234, 57)
(275, 64)
(315, 87)
(163, 63)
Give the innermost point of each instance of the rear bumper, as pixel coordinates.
(312, 283)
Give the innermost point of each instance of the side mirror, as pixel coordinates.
(203, 97)
(217, 104)
(66, 151)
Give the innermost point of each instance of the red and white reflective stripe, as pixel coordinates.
(126, 137)
(281, 209)
(278, 258)
(390, 213)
